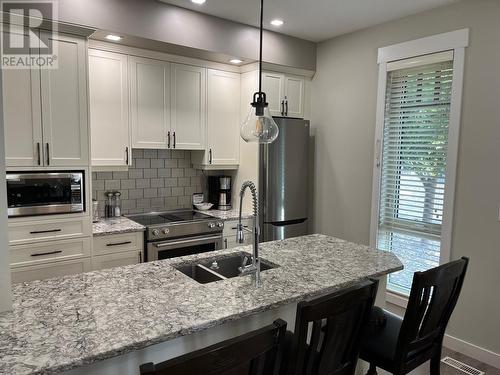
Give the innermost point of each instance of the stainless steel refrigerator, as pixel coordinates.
(284, 181)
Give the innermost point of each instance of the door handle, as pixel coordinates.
(38, 153)
(45, 231)
(140, 256)
(126, 155)
(48, 153)
(174, 139)
(210, 156)
(225, 243)
(168, 139)
(282, 108)
(286, 107)
(47, 253)
(118, 243)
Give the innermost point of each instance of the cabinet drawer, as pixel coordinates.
(24, 255)
(115, 243)
(126, 258)
(230, 226)
(46, 271)
(54, 229)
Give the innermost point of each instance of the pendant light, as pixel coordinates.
(259, 125)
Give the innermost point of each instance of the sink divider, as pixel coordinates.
(212, 271)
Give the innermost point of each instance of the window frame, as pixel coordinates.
(455, 41)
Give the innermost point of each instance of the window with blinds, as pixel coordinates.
(413, 166)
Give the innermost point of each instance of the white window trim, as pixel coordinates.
(457, 41)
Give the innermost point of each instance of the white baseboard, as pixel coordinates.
(473, 351)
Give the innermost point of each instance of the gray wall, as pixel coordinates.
(158, 180)
(343, 107)
(158, 21)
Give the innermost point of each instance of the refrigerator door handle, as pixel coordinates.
(285, 222)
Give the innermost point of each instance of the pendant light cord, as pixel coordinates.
(260, 52)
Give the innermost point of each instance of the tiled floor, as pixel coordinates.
(448, 370)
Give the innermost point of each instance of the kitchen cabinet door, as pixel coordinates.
(273, 86)
(22, 117)
(223, 117)
(64, 104)
(109, 109)
(188, 107)
(46, 271)
(149, 102)
(126, 258)
(294, 96)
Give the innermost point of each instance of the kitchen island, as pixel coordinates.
(130, 315)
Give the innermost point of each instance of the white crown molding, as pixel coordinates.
(278, 68)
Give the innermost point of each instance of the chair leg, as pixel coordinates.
(436, 364)
(372, 370)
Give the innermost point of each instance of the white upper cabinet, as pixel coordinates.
(22, 117)
(109, 109)
(285, 94)
(64, 104)
(188, 114)
(149, 102)
(294, 96)
(223, 115)
(45, 110)
(273, 86)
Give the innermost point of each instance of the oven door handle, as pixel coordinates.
(199, 240)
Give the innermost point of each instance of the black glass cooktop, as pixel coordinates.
(168, 217)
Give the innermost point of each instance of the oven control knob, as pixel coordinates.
(211, 225)
(166, 231)
(220, 224)
(156, 232)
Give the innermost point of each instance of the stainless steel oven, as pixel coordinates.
(183, 246)
(45, 193)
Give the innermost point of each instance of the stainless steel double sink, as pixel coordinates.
(218, 268)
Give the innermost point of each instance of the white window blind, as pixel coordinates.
(413, 166)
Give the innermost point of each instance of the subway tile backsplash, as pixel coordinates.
(157, 180)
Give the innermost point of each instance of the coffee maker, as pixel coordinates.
(219, 192)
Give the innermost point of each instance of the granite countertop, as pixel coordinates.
(227, 215)
(116, 225)
(63, 323)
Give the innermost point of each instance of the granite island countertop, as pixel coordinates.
(116, 225)
(67, 322)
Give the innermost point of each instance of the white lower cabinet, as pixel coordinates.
(46, 271)
(115, 250)
(229, 233)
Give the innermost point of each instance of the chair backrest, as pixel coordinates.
(256, 352)
(434, 294)
(329, 330)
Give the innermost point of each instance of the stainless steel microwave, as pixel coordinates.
(45, 193)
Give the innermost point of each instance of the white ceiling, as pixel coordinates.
(314, 20)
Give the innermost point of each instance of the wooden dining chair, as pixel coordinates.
(402, 345)
(254, 353)
(329, 330)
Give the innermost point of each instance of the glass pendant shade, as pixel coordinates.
(261, 129)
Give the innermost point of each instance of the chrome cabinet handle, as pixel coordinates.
(210, 156)
(48, 153)
(174, 139)
(45, 231)
(38, 153)
(225, 243)
(47, 253)
(244, 226)
(282, 108)
(126, 155)
(286, 106)
(118, 243)
(168, 139)
(140, 256)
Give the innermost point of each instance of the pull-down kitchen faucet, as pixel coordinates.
(254, 267)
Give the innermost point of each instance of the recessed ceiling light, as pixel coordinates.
(114, 38)
(277, 22)
(199, 2)
(235, 61)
